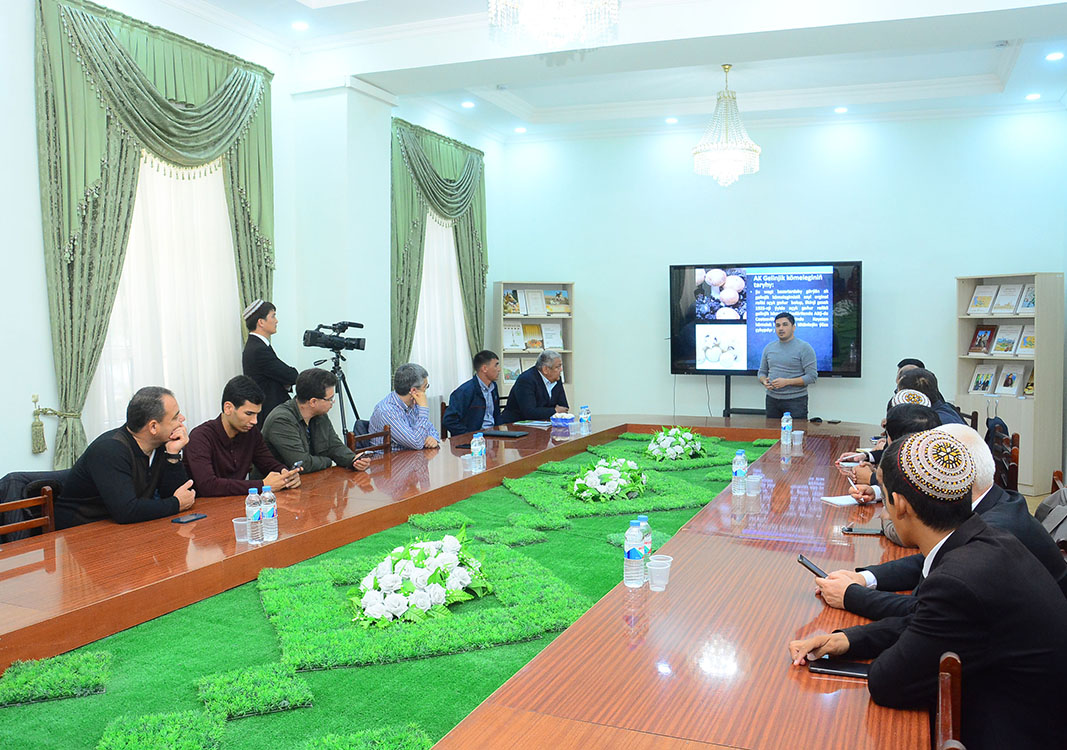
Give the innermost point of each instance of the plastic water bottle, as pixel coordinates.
(478, 451)
(585, 421)
(646, 542)
(633, 566)
(270, 514)
(740, 472)
(787, 431)
(254, 514)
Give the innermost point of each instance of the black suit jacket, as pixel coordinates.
(998, 608)
(276, 378)
(529, 398)
(466, 408)
(999, 508)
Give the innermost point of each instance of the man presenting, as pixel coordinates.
(223, 450)
(475, 405)
(132, 473)
(538, 392)
(259, 361)
(300, 430)
(786, 369)
(405, 410)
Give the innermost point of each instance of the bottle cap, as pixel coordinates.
(478, 434)
(788, 414)
(585, 407)
(266, 488)
(635, 522)
(740, 452)
(642, 518)
(253, 491)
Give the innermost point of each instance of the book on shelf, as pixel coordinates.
(522, 302)
(557, 301)
(1027, 300)
(512, 338)
(1007, 299)
(1028, 389)
(510, 368)
(552, 334)
(527, 362)
(982, 341)
(984, 379)
(982, 299)
(1011, 380)
(511, 302)
(1027, 342)
(1005, 341)
(532, 337)
(535, 302)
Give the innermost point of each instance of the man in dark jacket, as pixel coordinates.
(475, 405)
(538, 392)
(983, 598)
(259, 362)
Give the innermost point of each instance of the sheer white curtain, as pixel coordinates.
(177, 311)
(440, 343)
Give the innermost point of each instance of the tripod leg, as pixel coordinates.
(351, 402)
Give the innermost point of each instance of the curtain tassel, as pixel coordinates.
(37, 441)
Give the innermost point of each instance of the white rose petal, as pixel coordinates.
(368, 582)
(403, 568)
(385, 567)
(371, 597)
(451, 544)
(437, 593)
(420, 600)
(447, 560)
(396, 604)
(375, 611)
(390, 583)
(420, 577)
(459, 579)
(398, 550)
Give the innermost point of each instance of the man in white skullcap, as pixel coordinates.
(259, 360)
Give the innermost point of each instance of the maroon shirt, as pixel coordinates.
(219, 465)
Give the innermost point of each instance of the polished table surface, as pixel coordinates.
(704, 663)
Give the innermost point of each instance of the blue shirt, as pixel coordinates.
(410, 425)
(549, 385)
(487, 393)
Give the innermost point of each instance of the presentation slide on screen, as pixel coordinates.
(735, 309)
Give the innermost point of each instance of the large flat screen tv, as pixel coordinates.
(723, 315)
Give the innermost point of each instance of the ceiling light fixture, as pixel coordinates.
(840, 110)
(467, 105)
(520, 130)
(671, 121)
(726, 152)
(1032, 97)
(300, 26)
(557, 23)
(1054, 56)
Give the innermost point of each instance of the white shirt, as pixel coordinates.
(262, 338)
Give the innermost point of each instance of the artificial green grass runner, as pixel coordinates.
(65, 676)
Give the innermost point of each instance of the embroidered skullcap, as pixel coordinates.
(938, 465)
(250, 311)
(909, 396)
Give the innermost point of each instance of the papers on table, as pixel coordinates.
(840, 501)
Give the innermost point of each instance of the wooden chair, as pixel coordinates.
(46, 521)
(1006, 461)
(947, 726)
(972, 418)
(356, 442)
(1057, 481)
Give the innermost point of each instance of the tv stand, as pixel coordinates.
(727, 411)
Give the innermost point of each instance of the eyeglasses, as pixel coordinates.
(330, 399)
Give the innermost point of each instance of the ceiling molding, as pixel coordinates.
(431, 107)
(232, 22)
(434, 27)
(1008, 57)
(505, 100)
(317, 4)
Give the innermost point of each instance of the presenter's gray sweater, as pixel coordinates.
(792, 359)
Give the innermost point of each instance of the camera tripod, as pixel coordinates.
(342, 382)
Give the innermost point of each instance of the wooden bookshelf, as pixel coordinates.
(564, 319)
(1037, 418)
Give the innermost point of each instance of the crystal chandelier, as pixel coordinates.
(726, 152)
(557, 23)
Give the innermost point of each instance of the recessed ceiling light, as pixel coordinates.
(300, 26)
(1032, 97)
(840, 110)
(671, 121)
(467, 105)
(520, 130)
(1054, 56)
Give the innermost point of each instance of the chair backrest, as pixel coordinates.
(444, 432)
(971, 418)
(1057, 481)
(46, 521)
(947, 726)
(356, 442)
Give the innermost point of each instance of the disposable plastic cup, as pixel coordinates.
(240, 529)
(798, 438)
(659, 571)
(661, 558)
(752, 484)
(468, 462)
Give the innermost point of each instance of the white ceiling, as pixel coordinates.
(880, 59)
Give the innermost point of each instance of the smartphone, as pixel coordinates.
(848, 464)
(861, 531)
(189, 518)
(298, 464)
(811, 566)
(825, 665)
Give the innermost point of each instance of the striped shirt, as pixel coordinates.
(410, 425)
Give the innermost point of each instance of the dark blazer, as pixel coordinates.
(999, 508)
(529, 399)
(466, 408)
(276, 378)
(998, 608)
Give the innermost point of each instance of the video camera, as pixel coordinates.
(336, 342)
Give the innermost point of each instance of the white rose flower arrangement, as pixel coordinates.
(419, 581)
(675, 443)
(609, 479)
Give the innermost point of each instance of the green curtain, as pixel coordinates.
(431, 172)
(109, 86)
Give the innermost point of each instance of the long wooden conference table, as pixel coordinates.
(700, 665)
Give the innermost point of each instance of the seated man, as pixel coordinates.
(870, 591)
(405, 410)
(925, 382)
(982, 597)
(475, 405)
(300, 430)
(222, 451)
(538, 392)
(134, 472)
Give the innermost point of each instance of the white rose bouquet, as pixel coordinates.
(418, 581)
(609, 479)
(674, 443)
